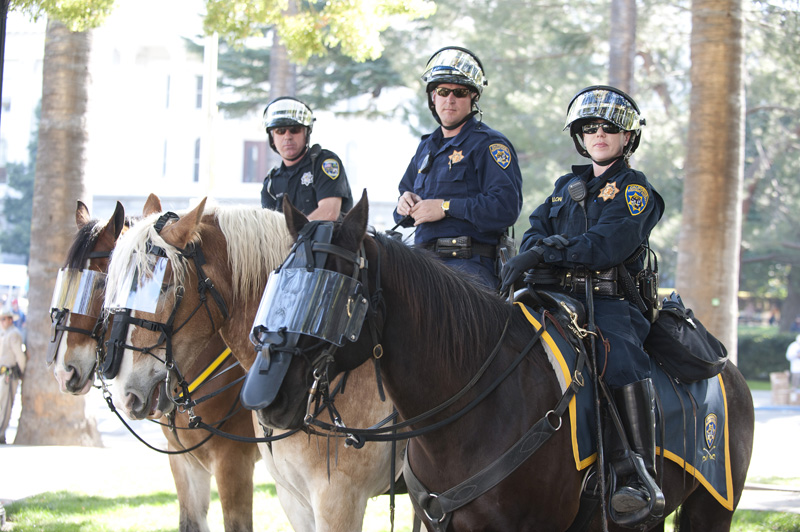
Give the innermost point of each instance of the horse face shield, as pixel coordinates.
(76, 291)
(319, 303)
(140, 291)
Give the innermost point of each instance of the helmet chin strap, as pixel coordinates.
(476, 111)
(607, 162)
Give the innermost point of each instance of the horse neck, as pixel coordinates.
(433, 328)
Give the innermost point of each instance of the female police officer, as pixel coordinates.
(604, 232)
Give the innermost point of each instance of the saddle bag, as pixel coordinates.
(682, 345)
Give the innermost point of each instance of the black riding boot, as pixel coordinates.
(637, 408)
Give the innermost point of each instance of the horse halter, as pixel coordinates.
(140, 297)
(304, 299)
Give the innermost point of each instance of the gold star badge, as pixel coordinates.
(455, 157)
(609, 191)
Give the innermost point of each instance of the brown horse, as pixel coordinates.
(322, 484)
(230, 462)
(437, 331)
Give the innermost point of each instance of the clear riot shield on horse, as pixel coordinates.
(230, 251)
(484, 388)
(194, 457)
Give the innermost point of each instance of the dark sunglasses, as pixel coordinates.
(294, 130)
(444, 92)
(591, 129)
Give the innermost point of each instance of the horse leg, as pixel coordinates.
(295, 505)
(193, 485)
(702, 513)
(233, 470)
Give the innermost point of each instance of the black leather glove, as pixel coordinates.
(516, 266)
(556, 241)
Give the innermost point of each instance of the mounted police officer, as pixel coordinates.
(314, 179)
(463, 187)
(606, 231)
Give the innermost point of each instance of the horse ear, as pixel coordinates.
(108, 236)
(118, 219)
(355, 221)
(295, 220)
(152, 205)
(82, 215)
(179, 234)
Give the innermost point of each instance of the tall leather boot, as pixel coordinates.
(637, 408)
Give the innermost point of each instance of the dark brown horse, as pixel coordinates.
(436, 331)
(230, 462)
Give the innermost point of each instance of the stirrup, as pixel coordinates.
(629, 499)
(653, 509)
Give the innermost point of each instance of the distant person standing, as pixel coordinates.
(312, 178)
(12, 367)
(793, 356)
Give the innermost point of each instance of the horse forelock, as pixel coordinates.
(453, 315)
(257, 242)
(86, 240)
(83, 244)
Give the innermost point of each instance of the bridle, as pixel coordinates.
(123, 318)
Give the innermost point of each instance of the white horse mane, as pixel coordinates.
(257, 242)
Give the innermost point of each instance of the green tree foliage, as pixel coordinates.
(18, 206)
(312, 28)
(78, 15)
(321, 82)
(771, 234)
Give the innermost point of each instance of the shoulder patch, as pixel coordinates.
(636, 196)
(501, 155)
(331, 168)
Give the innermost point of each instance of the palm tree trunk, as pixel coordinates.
(708, 257)
(48, 416)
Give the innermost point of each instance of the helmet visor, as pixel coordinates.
(285, 112)
(79, 291)
(319, 303)
(453, 63)
(605, 105)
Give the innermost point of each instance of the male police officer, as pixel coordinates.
(313, 179)
(463, 187)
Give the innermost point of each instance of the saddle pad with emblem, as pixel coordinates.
(695, 416)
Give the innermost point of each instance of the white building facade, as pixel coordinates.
(153, 124)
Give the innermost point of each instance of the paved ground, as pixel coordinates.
(64, 468)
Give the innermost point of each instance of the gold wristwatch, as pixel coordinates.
(446, 207)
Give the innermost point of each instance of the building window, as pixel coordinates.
(196, 176)
(255, 161)
(199, 97)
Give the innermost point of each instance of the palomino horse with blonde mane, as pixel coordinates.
(207, 271)
(194, 455)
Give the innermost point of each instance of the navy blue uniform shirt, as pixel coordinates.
(621, 206)
(477, 170)
(305, 186)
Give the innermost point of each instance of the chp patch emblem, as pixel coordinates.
(711, 430)
(636, 197)
(331, 168)
(307, 179)
(501, 155)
